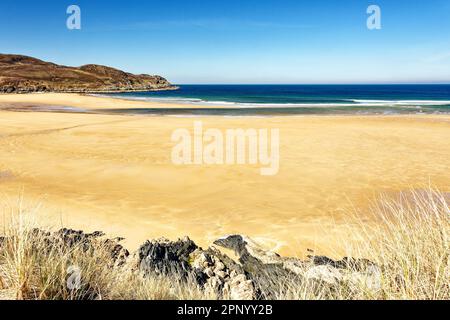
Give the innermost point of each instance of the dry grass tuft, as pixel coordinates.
(34, 268)
(411, 242)
(408, 238)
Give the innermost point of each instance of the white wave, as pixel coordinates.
(405, 102)
(347, 103)
(153, 99)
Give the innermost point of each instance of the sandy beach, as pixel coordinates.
(114, 172)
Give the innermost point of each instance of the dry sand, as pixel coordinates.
(114, 173)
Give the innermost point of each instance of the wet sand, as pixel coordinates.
(88, 102)
(114, 172)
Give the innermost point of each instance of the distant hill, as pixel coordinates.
(22, 74)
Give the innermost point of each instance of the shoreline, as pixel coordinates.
(187, 113)
(91, 103)
(87, 101)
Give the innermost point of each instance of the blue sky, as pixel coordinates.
(245, 41)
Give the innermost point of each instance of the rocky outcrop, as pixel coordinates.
(22, 74)
(70, 239)
(265, 266)
(214, 272)
(89, 242)
(224, 277)
(255, 274)
(164, 257)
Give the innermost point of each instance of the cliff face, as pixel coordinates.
(22, 74)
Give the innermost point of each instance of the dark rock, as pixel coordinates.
(65, 239)
(266, 269)
(346, 263)
(322, 260)
(166, 257)
(212, 271)
(225, 278)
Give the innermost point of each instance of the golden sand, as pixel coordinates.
(114, 173)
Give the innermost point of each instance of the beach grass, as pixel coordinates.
(32, 267)
(409, 242)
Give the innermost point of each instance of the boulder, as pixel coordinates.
(224, 277)
(210, 270)
(164, 257)
(268, 269)
(265, 268)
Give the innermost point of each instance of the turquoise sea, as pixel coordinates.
(299, 99)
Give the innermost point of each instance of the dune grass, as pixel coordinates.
(409, 242)
(407, 236)
(33, 268)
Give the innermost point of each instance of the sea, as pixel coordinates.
(297, 99)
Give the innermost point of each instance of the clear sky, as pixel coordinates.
(240, 41)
